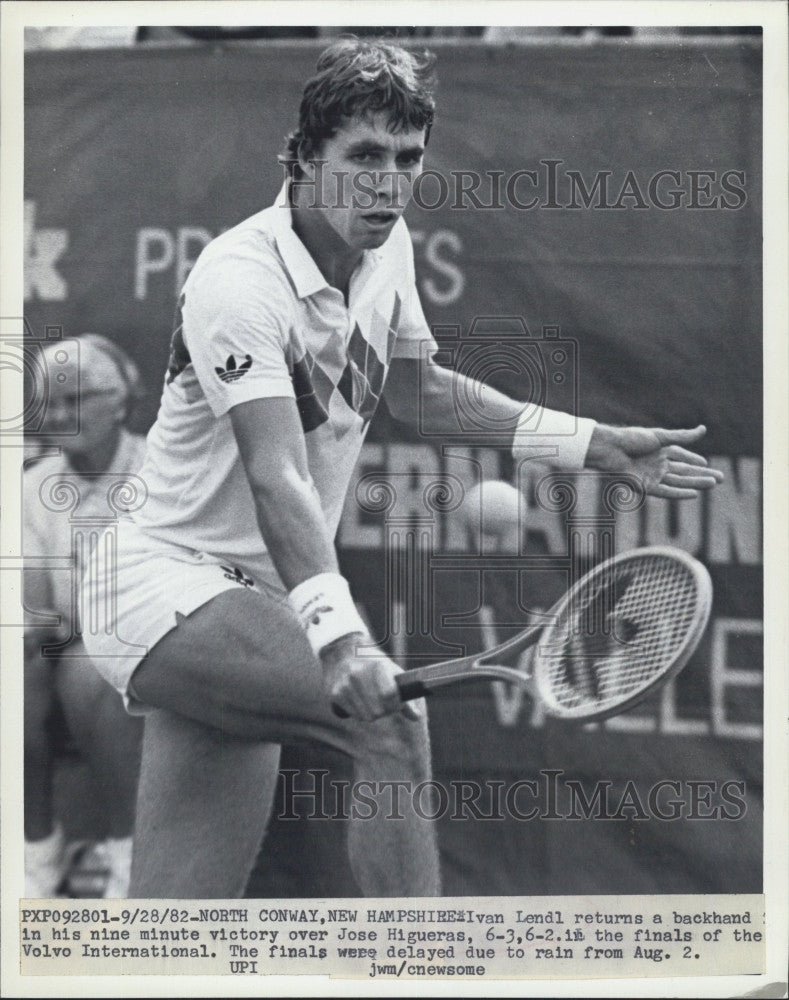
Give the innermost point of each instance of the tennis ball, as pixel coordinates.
(494, 506)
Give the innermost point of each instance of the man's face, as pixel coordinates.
(365, 179)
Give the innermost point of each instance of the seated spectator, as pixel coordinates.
(106, 736)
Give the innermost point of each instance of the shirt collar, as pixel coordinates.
(303, 270)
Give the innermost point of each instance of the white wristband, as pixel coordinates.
(560, 438)
(325, 608)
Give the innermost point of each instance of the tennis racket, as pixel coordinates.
(625, 628)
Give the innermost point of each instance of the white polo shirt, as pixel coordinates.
(257, 319)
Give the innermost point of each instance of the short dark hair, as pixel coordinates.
(357, 77)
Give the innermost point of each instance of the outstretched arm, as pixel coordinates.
(658, 457)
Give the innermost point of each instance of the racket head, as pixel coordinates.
(626, 627)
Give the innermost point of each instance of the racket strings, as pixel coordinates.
(616, 635)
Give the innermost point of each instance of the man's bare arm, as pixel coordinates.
(430, 393)
(273, 451)
(659, 457)
(271, 442)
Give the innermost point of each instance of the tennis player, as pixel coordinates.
(107, 737)
(289, 329)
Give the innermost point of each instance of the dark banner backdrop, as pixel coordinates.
(642, 245)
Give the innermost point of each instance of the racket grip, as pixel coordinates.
(410, 688)
(407, 688)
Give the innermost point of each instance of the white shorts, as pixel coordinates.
(132, 589)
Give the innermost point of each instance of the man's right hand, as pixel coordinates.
(363, 685)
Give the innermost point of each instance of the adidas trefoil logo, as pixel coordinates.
(232, 372)
(234, 573)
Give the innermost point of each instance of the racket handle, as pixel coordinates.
(410, 688)
(407, 687)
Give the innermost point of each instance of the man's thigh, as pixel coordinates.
(242, 664)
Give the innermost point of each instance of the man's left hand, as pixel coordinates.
(658, 457)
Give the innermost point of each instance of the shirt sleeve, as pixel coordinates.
(414, 336)
(237, 316)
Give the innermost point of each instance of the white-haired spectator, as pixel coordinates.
(100, 390)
